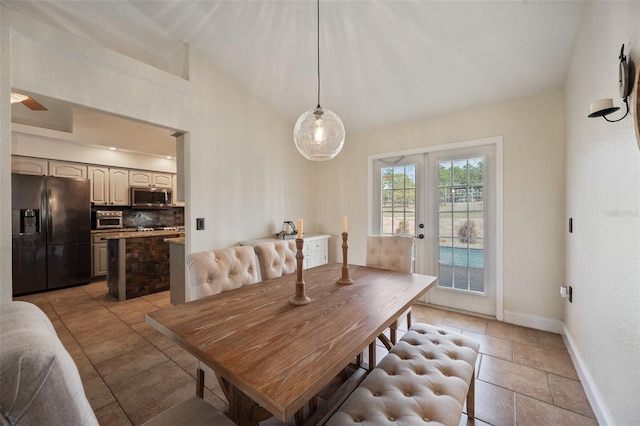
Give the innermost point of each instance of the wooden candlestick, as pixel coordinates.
(300, 298)
(345, 265)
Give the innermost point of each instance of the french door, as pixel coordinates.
(448, 199)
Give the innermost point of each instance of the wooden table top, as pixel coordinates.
(282, 355)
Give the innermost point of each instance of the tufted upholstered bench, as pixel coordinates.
(276, 258)
(425, 378)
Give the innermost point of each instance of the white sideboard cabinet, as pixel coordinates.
(315, 248)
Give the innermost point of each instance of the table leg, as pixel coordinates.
(243, 410)
(200, 382)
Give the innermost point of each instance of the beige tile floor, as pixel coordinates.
(131, 372)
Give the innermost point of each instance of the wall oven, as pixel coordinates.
(108, 219)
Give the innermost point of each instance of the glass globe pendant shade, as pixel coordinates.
(319, 134)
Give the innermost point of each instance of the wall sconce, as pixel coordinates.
(604, 107)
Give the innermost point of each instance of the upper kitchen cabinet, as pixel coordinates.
(99, 178)
(109, 186)
(119, 187)
(67, 170)
(146, 178)
(43, 167)
(29, 166)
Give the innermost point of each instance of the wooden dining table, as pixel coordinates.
(269, 353)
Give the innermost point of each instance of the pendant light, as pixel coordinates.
(319, 133)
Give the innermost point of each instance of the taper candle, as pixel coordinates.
(299, 228)
(344, 224)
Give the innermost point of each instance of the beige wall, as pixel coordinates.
(242, 173)
(603, 197)
(533, 193)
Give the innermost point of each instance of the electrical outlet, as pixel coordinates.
(199, 223)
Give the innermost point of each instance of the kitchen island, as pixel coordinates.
(138, 262)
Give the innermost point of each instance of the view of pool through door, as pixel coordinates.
(447, 199)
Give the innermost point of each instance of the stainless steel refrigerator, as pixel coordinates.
(51, 232)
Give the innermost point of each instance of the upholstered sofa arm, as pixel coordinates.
(40, 383)
(276, 258)
(215, 271)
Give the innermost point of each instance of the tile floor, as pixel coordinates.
(131, 372)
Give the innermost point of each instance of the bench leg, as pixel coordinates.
(471, 396)
(372, 355)
(200, 382)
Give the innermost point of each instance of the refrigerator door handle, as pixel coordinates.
(49, 215)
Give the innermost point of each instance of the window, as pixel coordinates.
(461, 213)
(398, 200)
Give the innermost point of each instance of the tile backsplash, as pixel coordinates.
(133, 218)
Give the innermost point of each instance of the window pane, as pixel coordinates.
(398, 199)
(461, 224)
(459, 172)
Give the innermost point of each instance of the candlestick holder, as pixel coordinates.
(300, 298)
(345, 265)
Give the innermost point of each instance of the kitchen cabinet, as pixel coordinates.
(99, 264)
(99, 178)
(178, 196)
(109, 186)
(119, 187)
(29, 166)
(314, 249)
(147, 178)
(67, 170)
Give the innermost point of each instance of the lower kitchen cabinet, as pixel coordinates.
(99, 263)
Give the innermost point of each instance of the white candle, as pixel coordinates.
(344, 224)
(299, 228)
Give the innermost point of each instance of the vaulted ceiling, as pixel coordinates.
(381, 61)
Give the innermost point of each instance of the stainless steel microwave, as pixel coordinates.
(151, 198)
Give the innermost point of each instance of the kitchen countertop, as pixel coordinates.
(141, 234)
(111, 230)
(175, 240)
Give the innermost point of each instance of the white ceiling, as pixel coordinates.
(381, 61)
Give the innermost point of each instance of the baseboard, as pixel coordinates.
(532, 321)
(590, 389)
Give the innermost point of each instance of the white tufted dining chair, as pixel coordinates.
(215, 271)
(394, 252)
(276, 258)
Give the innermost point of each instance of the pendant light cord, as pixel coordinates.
(318, 44)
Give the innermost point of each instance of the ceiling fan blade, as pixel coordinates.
(33, 104)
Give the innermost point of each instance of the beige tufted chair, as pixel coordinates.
(277, 258)
(215, 271)
(394, 252)
(212, 272)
